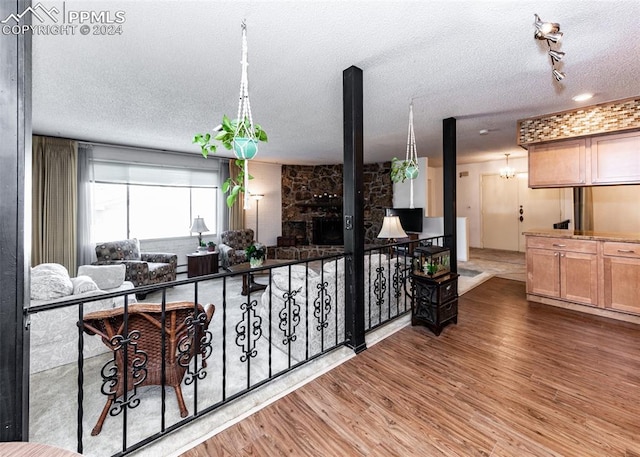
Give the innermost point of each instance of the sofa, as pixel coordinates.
(321, 287)
(142, 268)
(54, 334)
(232, 246)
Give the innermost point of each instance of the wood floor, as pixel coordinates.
(511, 379)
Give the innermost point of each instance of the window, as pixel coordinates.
(145, 212)
(152, 200)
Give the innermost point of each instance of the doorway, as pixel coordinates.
(510, 207)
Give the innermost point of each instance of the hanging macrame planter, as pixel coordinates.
(245, 143)
(411, 160)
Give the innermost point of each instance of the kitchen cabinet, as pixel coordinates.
(615, 159)
(621, 276)
(564, 269)
(592, 161)
(558, 164)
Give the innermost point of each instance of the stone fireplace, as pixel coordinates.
(312, 195)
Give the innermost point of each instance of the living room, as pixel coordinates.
(157, 101)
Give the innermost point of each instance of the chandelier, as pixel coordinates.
(507, 172)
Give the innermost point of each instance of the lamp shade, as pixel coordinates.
(198, 225)
(392, 228)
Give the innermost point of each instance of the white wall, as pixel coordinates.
(616, 208)
(267, 179)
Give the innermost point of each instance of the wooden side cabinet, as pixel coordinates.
(434, 301)
(200, 264)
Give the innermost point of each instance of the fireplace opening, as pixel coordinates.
(296, 231)
(327, 231)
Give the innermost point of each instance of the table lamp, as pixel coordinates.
(199, 226)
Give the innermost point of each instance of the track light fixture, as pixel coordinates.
(550, 32)
(558, 75)
(556, 56)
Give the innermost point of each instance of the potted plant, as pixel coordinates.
(403, 169)
(242, 138)
(202, 246)
(256, 255)
(211, 246)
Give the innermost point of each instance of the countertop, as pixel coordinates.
(628, 237)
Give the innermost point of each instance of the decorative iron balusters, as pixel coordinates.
(289, 316)
(398, 278)
(196, 340)
(248, 330)
(322, 306)
(379, 286)
(113, 383)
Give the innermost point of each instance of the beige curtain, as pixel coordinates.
(236, 212)
(54, 202)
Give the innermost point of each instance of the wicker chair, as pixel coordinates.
(185, 336)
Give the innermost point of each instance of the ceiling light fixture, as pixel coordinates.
(550, 32)
(582, 97)
(507, 172)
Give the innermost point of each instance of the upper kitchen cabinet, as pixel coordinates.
(587, 146)
(558, 164)
(594, 161)
(615, 159)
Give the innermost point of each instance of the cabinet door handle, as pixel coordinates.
(555, 254)
(626, 251)
(559, 245)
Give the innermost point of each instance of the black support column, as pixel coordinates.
(353, 203)
(15, 139)
(449, 183)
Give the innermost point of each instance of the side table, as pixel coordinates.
(435, 301)
(202, 263)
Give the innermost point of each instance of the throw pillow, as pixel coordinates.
(50, 281)
(82, 284)
(105, 276)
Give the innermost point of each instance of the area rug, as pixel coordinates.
(54, 393)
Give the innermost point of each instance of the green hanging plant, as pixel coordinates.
(399, 170)
(225, 136)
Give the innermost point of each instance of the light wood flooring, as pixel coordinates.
(512, 378)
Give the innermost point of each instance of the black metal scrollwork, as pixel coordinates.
(113, 380)
(196, 341)
(322, 306)
(398, 279)
(248, 330)
(289, 316)
(379, 286)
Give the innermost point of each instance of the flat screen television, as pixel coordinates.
(410, 218)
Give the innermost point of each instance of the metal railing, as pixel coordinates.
(295, 315)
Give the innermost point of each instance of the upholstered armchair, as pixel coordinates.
(143, 268)
(232, 245)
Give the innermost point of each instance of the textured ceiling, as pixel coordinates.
(175, 70)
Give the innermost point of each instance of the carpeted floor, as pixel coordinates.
(53, 405)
